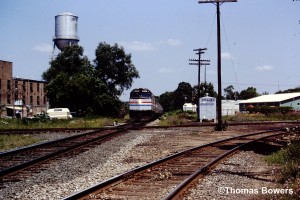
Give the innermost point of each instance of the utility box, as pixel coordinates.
(207, 109)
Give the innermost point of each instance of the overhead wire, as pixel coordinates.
(232, 62)
(211, 30)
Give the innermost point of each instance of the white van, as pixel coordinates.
(59, 113)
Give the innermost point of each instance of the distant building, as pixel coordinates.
(284, 99)
(230, 107)
(189, 107)
(20, 97)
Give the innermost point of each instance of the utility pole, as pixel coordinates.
(199, 62)
(219, 100)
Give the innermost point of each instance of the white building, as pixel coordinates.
(189, 107)
(230, 107)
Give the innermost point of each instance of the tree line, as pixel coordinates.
(185, 93)
(94, 87)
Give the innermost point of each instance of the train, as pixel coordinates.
(143, 105)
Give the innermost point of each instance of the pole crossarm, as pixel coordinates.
(216, 1)
(200, 49)
(199, 62)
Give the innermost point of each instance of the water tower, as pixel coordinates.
(65, 30)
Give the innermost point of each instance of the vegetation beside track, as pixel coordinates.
(248, 117)
(288, 160)
(88, 122)
(13, 141)
(179, 117)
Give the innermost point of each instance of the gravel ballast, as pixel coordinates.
(70, 175)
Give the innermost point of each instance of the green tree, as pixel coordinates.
(182, 94)
(167, 101)
(230, 94)
(250, 92)
(69, 81)
(207, 88)
(114, 67)
(75, 83)
(291, 90)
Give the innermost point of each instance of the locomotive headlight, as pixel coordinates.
(140, 101)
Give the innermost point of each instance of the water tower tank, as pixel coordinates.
(65, 30)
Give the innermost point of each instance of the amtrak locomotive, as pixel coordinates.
(143, 105)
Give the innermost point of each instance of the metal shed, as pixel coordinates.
(207, 109)
(284, 99)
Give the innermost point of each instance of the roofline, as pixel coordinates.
(248, 101)
(6, 61)
(29, 80)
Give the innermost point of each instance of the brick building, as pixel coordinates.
(20, 96)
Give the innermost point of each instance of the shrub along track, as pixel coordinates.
(157, 179)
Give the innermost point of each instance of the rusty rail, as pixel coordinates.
(146, 181)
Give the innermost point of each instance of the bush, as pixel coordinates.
(177, 117)
(268, 110)
(289, 158)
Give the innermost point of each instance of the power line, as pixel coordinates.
(235, 73)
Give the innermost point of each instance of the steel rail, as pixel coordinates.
(117, 179)
(55, 153)
(178, 192)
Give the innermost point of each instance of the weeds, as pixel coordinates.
(246, 117)
(89, 122)
(289, 160)
(13, 141)
(176, 118)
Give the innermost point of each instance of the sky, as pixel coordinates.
(260, 40)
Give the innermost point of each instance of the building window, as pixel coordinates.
(24, 86)
(31, 100)
(31, 88)
(0, 84)
(24, 100)
(8, 84)
(38, 100)
(38, 87)
(8, 99)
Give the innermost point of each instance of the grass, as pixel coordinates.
(13, 141)
(88, 122)
(247, 117)
(177, 118)
(289, 161)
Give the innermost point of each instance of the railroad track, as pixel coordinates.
(170, 177)
(45, 130)
(19, 163)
